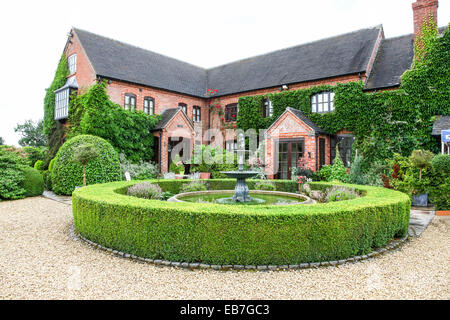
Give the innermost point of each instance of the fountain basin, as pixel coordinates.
(259, 197)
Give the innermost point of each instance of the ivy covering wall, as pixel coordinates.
(53, 130)
(384, 123)
(129, 132)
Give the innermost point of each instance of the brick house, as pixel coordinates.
(139, 79)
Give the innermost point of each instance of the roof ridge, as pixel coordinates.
(378, 26)
(137, 47)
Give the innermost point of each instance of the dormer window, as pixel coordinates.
(62, 97)
(130, 102)
(149, 105)
(183, 107)
(267, 110)
(72, 62)
(322, 102)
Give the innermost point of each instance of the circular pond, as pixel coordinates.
(258, 197)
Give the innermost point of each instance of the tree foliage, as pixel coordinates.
(32, 134)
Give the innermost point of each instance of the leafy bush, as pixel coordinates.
(51, 164)
(248, 235)
(441, 164)
(265, 185)
(39, 165)
(356, 175)
(35, 154)
(66, 174)
(47, 180)
(176, 166)
(214, 160)
(129, 132)
(338, 170)
(325, 173)
(12, 168)
(166, 195)
(339, 193)
(33, 182)
(145, 190)
(140, 170)
(193, 186)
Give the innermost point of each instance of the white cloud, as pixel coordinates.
(204, 33)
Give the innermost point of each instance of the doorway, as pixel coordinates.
(289, 152)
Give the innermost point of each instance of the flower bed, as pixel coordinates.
(226, 234)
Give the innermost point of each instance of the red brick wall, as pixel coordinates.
(421, 11)
(85, 73)
(290, 127)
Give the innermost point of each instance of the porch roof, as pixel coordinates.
(167, 115)
(300, 115)
(441, 123)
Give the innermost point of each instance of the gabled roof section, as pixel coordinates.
(121, 61)
(440, 123)
(336, 56)
(394, 57)
(300, 115)
(167, 115)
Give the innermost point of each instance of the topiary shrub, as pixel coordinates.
(441, 163)
(51, 165)
(39, 165)
(66, 174)
(33, 182)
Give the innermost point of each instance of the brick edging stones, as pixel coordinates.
(391, 246)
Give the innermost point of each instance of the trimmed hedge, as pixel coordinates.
(33, 183)
(247, 235)
(66, 174)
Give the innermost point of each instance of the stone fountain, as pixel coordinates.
(241, 190)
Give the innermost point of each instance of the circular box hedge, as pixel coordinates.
(239, 235)
(66, 174)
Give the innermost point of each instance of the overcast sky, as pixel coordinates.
(204, 33)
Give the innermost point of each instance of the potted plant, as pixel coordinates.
(420, 159)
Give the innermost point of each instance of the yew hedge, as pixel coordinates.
(247, 235)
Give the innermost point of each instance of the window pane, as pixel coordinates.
(314, 107)
(325, 97)
(320, 98)
(314, 99)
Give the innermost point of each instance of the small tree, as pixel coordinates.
(84, 154)
(32, 134)
(421, 159)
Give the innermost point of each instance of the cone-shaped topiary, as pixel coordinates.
(67, 174)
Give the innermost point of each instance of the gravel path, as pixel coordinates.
(39, 260)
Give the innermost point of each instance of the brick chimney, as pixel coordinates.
(422, 10)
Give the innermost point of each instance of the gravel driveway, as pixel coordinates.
(39, 260)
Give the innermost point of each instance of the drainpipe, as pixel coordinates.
(317, 152)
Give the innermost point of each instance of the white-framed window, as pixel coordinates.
(62, 104)
(130, 102)
(72, 62)
(322, 102)
(149, 105)
(196, 114)
(183, 107)
(267, 108)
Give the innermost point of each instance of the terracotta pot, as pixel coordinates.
(205, 175)
(178, 176)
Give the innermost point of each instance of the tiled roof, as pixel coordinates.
(441, 123)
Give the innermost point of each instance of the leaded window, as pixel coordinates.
(322, 102)
(130, 102)
(267, 109)
(62, 104)
(149, 105)
(72, 62)
(231, 111)
(196, 114)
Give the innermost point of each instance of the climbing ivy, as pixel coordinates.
(128, 131)
(385, 122)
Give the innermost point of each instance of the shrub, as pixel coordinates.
(176, 166)
(83, 154)
(356, 175)
(66, 174)
(51, 164)
(145, 190)
(213, 160)
(441, 163)
(421, 159)
(246, 235)
(39, 165)
(141, 170)
(166, 195)
(33, 182)
(265, 185)
(193, 186)
(35, 154)
(325, 173)
(339, 193)
(12, 168)
(47, 180)
(338, 170)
